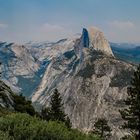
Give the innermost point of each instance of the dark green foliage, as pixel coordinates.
(19, 126)
(55, 111)
(102, 128)
(0, 71)
(22, 105)
(131, 114)
(45, 113)
(4, 136)
(128, 137)
(68, 122)
(4, 111)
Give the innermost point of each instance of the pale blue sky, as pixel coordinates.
(41, 20)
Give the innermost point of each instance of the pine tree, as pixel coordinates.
(22, 105)
(0, 69)
(55, 111)
(131, 114)
(45, 114)
(102, 128)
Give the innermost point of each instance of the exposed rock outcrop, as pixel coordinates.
(6, 98)
(98, 41)
(91, 81)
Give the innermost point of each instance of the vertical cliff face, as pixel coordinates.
(85, 39)
(94, 39)
(91, 81)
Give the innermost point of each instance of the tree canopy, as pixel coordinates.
(55, 112)
(131, 114)
(102, 128)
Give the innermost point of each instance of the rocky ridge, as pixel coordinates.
(91, 80)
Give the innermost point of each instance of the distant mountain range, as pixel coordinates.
(91, 77)
(127, 52)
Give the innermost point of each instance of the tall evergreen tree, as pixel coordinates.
(102, 128)
(55, 111)
(131, 114)
(0, 69)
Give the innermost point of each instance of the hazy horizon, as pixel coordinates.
(51, 20)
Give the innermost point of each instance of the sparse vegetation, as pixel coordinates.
(121, 79)
(131, 114)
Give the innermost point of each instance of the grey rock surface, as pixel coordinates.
(92, 83)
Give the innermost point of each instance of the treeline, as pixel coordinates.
(131, 114)
(21, 126)
(24, 123)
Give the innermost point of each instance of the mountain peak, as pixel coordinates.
(94, 38)
(98, 41)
